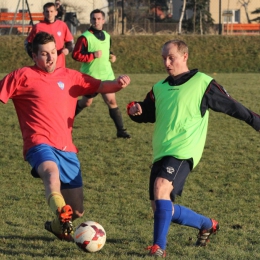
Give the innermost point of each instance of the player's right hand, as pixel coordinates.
(97, 54)
(135, 110)
(123, 80)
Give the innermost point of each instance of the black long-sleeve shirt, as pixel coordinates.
(215, 98)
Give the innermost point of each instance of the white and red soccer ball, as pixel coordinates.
(90, 236)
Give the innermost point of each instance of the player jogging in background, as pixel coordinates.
(93, 50)
(59, 29)
(179, 106)
(46, 124)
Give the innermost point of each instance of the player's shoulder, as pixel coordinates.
(26, 69)
(58, 21)
(60, 24)
(40, 24)
(24, 72)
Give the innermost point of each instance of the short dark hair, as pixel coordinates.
(48, 5)
(97, 11)
(41, 38)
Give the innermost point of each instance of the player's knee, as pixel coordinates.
(111, 104)
(77, 214)
(88, 102)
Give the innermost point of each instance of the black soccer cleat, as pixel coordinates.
(123, 134)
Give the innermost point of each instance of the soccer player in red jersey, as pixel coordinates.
(45, 98)
(59, 29)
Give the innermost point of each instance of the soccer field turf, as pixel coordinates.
(224, 186)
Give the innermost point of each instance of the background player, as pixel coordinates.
(93, 50)
(59, 29)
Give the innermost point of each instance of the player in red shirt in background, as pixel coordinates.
(59, 29)
(46, 124)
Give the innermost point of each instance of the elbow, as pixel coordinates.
(74, 56)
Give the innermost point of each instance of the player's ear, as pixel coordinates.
(34, 56)
(185, 56)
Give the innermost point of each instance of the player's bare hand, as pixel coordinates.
(65, 51)
(135, 110)
(97, 54)
(112, 58)
(123, 80)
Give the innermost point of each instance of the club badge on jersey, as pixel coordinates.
(61, 85)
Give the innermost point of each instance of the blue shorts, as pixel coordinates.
(67, 162)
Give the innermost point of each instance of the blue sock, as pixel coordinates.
(188, 217)
(162, 221)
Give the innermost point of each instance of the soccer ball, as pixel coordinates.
(90, 236)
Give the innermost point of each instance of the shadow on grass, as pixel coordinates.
(30, 243)
(25, 245)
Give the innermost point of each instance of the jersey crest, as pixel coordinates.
(61, 85)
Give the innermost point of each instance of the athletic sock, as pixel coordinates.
(55, 201)
(162, 221)
(116, 115)
(187, 217)
(78, 108)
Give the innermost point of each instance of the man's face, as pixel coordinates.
(50, 13)
(46, 57)
(174, 61)
(97, 21)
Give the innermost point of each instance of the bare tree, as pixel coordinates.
(182, 15)
(256, 11)
(194, 15)
(201, 27)
(245, 3)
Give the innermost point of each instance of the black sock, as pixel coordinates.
(116, 115)
(78, 108)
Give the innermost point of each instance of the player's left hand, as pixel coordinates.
(124, 80)
(65, 51)
(112, 58)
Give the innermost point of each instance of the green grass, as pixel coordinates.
(225, 185)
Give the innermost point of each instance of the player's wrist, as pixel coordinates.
(131, 104)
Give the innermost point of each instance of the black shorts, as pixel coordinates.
(91, 95)
(172, 169)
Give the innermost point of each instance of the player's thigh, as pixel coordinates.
(171, 169)
(74, 198)
(49, 173)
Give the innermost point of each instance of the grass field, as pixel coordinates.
(225, 185)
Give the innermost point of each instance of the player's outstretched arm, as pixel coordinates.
(115, 85)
